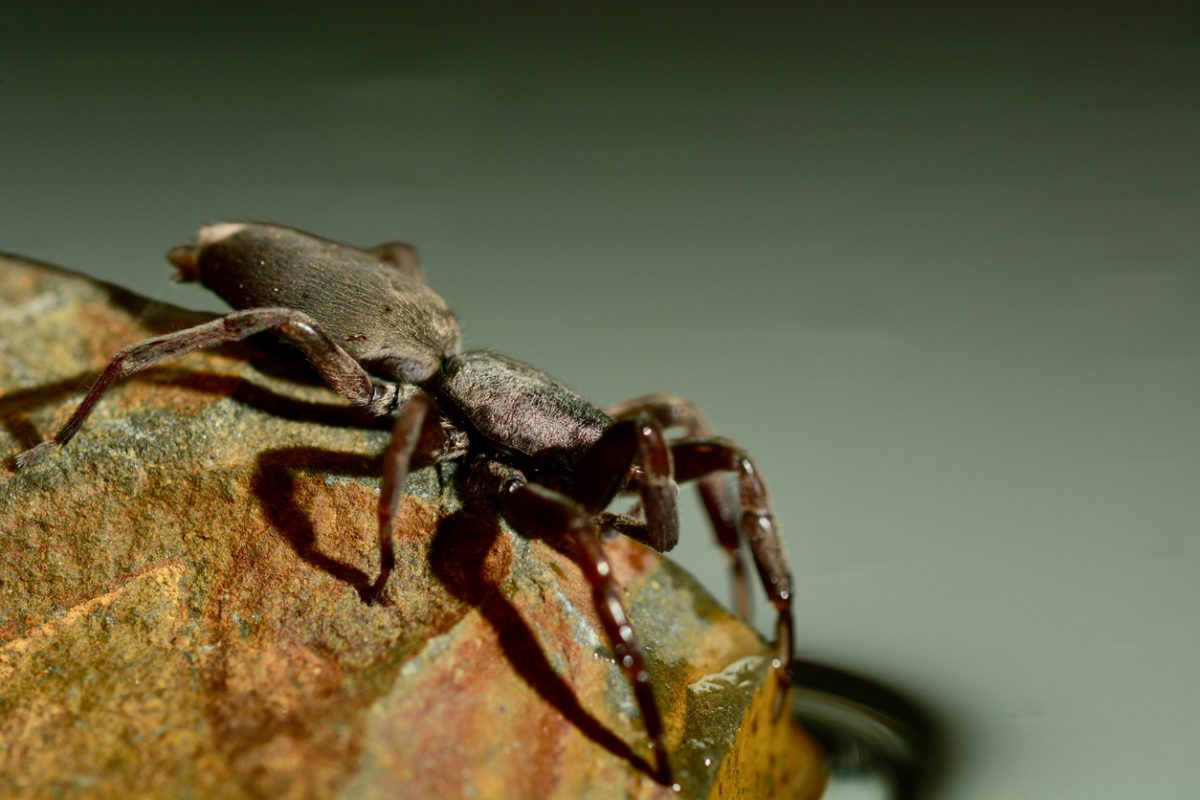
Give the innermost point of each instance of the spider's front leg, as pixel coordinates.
(673, 411)
(696, 458)
(541, 512)
(659, 466)
(632, 446)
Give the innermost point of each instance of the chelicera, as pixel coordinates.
(551, 461)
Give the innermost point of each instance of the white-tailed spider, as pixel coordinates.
(552, 461)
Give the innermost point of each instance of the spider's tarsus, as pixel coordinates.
(33, 454)
(782, 694)
(664, 774)
(373, 595)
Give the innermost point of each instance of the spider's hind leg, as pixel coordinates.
(341, 372)
(401, 255)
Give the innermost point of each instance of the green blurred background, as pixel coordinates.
(940, 272)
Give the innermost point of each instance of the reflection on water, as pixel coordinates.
(878, 741)
(857, 787)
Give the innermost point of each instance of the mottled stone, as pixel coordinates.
(181, 611)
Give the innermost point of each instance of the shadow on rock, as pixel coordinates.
(274, 484)
(470, 558)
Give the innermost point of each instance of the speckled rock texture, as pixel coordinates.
(181, 609)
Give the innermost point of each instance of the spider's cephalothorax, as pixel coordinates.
(552, 461)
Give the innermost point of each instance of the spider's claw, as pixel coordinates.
(661, 771)
(373, 595)
(663, 774)
(781, 696)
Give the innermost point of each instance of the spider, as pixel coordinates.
(551, 461)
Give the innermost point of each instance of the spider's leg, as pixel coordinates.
(671, 411)
(336, 366)
(401, 255)
(696, 458)
(406, 432)
(538, 511)
(606, 468)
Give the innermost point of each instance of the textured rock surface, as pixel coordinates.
(180, 611)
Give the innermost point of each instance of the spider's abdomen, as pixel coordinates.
(391, 322)
(521, 409)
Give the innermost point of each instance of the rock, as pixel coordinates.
(181, 608)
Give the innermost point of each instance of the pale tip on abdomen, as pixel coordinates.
(210, 234)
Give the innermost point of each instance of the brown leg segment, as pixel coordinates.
(339, 370)
(396, 460)
(671, 411)
(401, 255)
(538, 511)
(606, 467)
(696, 458)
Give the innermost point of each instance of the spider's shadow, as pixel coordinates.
(458, 554)
(462, 542)
(274, 483)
